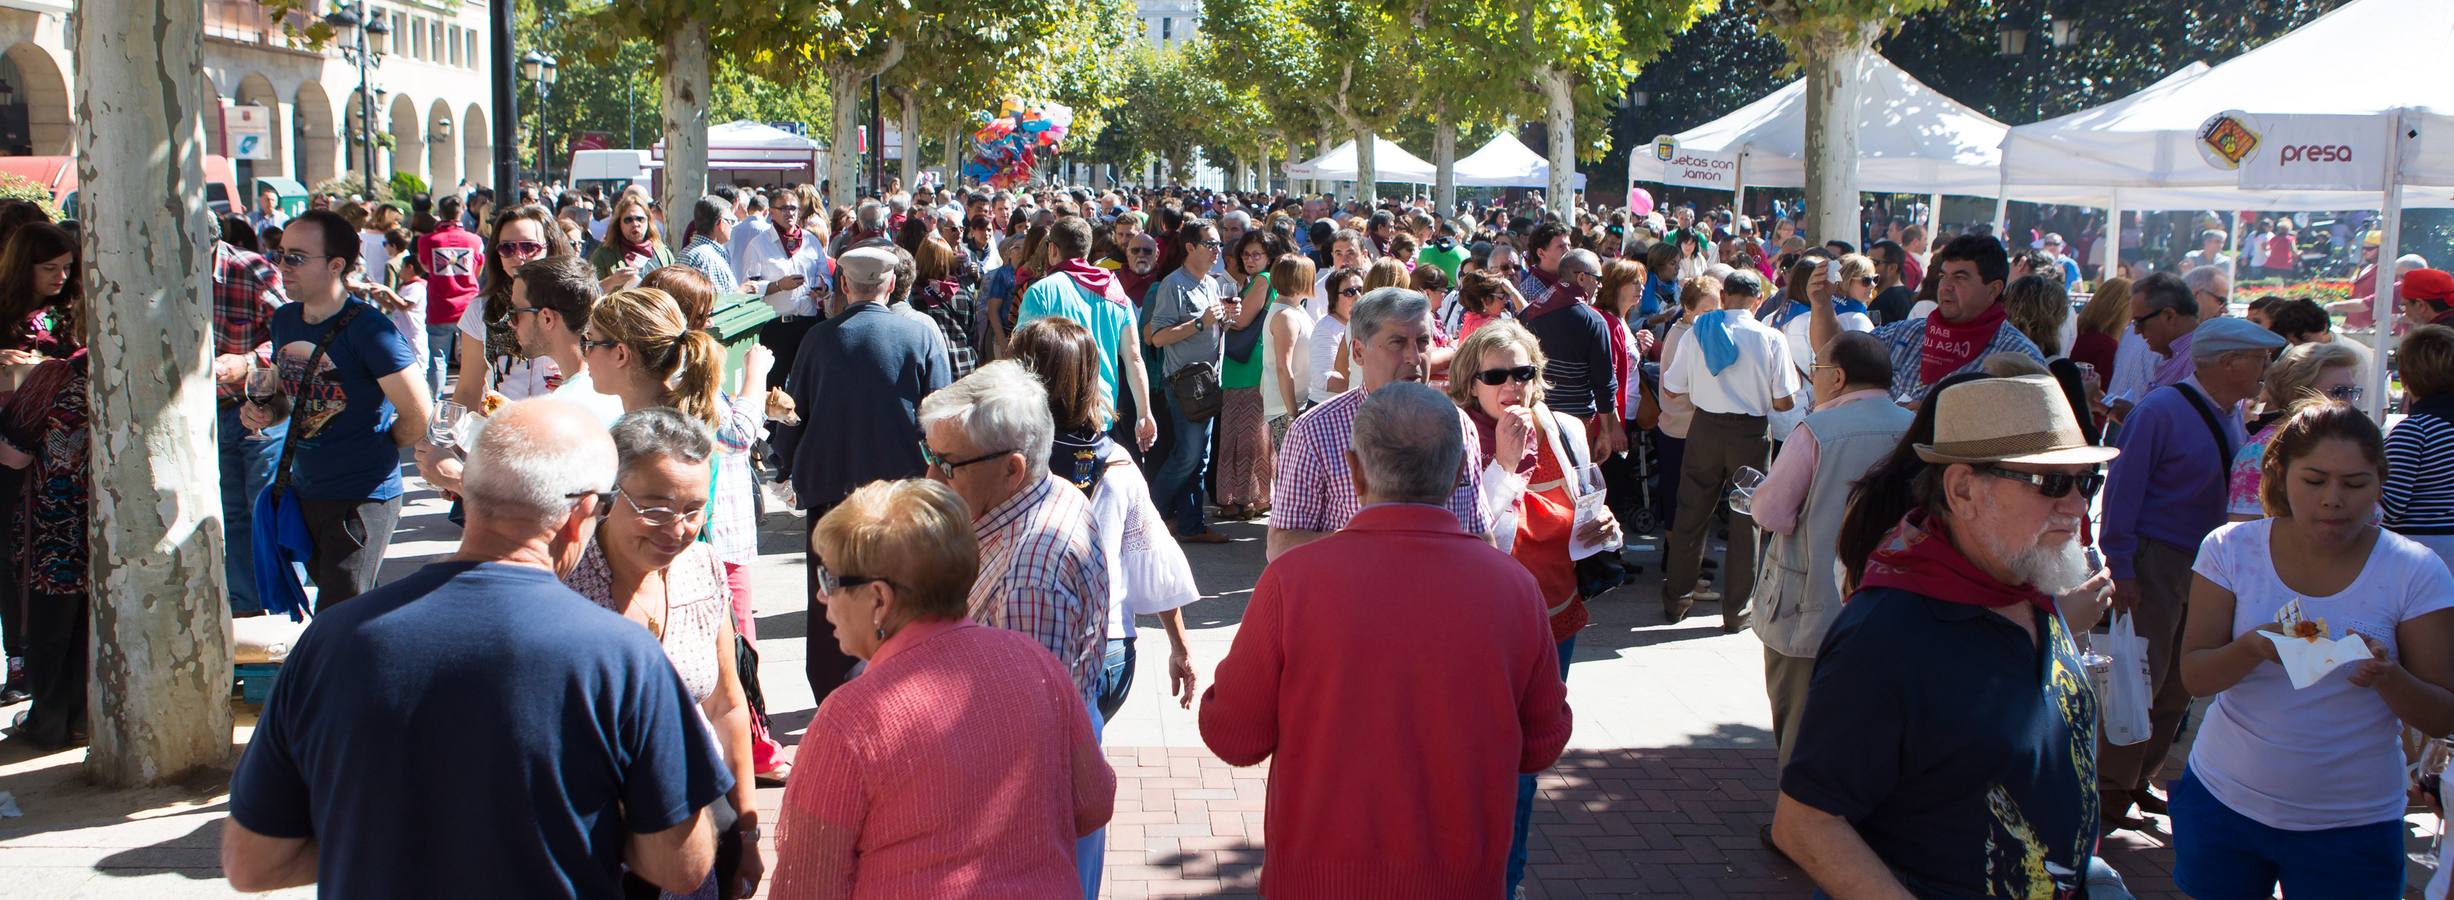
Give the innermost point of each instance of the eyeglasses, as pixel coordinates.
(831, 583)
(2348, 393)
(602, 497)
(1143, 251)
(1818, 367)
(516, 310)
(1497, 377)
(294, 259)
(1213, 244)
(663, 516)
(634, 220)
(2136, 321)
(520, 248)
(789, 209)
(2054, 485)
(946, 466)
(1350, 292)
(586, 345)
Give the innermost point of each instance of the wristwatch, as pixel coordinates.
(749, 835)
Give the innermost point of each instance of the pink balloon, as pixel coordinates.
(1639, 201)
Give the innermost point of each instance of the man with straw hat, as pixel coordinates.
(1948, 701)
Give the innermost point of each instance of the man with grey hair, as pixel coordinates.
(711, 226)
(2210, 251)
(1389, 334)
(988, 436)
(1352, 801)
(857, 386)
(1231, 227)
(474, 679)
(1580, 374)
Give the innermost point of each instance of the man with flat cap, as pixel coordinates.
(1947, 747)
(857, 386)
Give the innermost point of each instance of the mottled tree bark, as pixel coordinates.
(683, 53)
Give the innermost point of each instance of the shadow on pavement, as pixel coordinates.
(195, 855)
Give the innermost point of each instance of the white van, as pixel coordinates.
(615, 170)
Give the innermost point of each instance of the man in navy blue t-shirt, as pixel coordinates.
(368, 401)
(477, 729)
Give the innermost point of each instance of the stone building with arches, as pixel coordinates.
(431, 94)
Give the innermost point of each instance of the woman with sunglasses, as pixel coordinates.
(1242, 465)
(491, 359)
(1283, 345)
(2304, 784)
(1324, 351)
(644, 565)
(962, 762)
(1536, 471)
(2303, 373)
(633, 247)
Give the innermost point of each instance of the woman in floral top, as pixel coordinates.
(2306, 372)
(43, 432)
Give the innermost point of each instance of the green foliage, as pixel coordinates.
(406, 185)
(17, 187)
(351, 183)
(736, 94)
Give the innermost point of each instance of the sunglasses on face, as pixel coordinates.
(1143, 251)
(1350, 292)
(2053, 485)
(292, 258)
(634, 220)
(831, 583)
(586, 344)
(521, 248)
(2348, 393)
(787, 209)
(1497, 377)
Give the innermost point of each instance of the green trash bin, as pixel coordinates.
(735, 322)
(289, 196)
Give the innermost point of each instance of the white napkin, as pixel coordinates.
(2307, 661)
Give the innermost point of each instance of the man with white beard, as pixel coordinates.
(1948, 745)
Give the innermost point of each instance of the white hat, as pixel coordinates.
(2015, 420)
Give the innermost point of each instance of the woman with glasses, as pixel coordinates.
(1536, 471)
(633, 247)
(962, 762)
(1242, 465)
(2304, 783)
(644, 565)
(1324, 362)
(639, 346)
(491, 359)
(2303, 373)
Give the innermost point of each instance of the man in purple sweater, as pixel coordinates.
(2177, 449)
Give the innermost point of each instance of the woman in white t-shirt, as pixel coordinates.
(1283, 345)
(2306, 787)
(1323, 377)
(491, 358)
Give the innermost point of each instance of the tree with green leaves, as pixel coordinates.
(1830, 40)
(1318, 64)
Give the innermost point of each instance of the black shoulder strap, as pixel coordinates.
(2206, 413)
(306, 388)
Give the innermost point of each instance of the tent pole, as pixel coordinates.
(1738, 184)
(2112, 239)
(1934, 214)
(2232, 261)
(2002, 220)
(2383, 305)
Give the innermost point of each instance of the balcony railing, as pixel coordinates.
(247, 21)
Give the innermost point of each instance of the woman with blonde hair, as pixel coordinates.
(2099, 328)
(2306, 372)
(639, 346)
(962, 762)
(2037, 305)
(1386, 271)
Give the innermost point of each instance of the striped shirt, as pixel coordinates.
(707, 256)
(2420, 470)
(1041, 573)
(1315, 491)
(1577, 375)
(1907, 341)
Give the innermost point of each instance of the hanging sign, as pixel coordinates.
(1695, 168)
(247, 132)
(2297, 152)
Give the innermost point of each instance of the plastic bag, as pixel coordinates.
(2122, 690)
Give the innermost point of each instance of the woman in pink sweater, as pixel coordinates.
(962, 763)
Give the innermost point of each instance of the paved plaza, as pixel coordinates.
(1667, 776)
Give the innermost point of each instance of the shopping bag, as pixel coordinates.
(2122, 693)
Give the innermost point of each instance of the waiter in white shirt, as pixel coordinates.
(1737, 372)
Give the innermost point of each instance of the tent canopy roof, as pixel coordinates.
(1507, 162)
(1911, 139)
(1390, 162)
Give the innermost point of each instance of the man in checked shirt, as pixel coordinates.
(246, 288)
(1041, 573)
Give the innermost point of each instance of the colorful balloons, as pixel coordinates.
(1006, 145)
(1639, 201)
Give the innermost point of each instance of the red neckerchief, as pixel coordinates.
(1136, 286)
(1093, 279)
(790, 239)
(1952, 345)
(1488, 430)
(624, 246)
(1918, 557)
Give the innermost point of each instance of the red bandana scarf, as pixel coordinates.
(1950, 345)
(1918, 557)
(791, 241)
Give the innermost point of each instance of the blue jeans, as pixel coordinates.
(246, 466)
(1177, 491)
(1525, 797)
(442, 354)
(1091, 850)
(1115, 676)
(2219, 854)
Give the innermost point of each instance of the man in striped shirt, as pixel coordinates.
(1968, 323)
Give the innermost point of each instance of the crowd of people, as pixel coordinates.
(1918, 472)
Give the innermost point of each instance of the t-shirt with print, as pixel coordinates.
(1933, 718)
(2241, 484)
(506, 374)
(343, 429)
(475, 730)
(2328, 755)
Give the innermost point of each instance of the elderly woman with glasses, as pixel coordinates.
(2303, 373)
(962, 763)
(646, 564)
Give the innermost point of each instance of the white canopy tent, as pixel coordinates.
(1390, 163)
(2140, 152)
(1507, 162)
(752, 145)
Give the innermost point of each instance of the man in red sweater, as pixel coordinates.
(1402, 674)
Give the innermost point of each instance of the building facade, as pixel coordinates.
(1167, 23)
(431, 97)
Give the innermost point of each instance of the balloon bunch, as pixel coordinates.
(1006, 145)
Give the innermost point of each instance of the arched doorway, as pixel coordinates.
(477, 146)
(408, 140)
(442, 149)
(313, 136)
(355, 134)
(257, 90)
(33, 104)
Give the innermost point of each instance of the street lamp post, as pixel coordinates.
(361, 22)
(539, 68)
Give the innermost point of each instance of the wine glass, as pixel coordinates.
(444, 432)
(1742, 489)
(263, 387)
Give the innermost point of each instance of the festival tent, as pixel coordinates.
(752, 145)
(1389, 163)
(1507, 162)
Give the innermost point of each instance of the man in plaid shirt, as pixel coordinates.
(1314, 495)
(1041, 573)
(246, 288)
